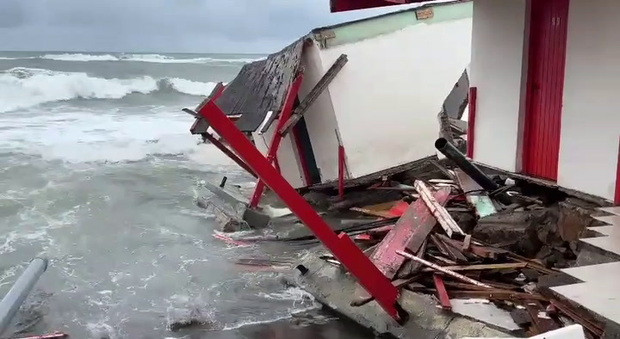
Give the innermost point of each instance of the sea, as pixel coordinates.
(99, 174)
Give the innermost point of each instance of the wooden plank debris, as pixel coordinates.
(314, 94)
(442, 294)
(410, 232)
(442, 270)
(438, 211)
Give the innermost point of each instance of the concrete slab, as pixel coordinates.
(595, 272)
(599, 296)
(613, 210)
(335, 289)
(568, 332)
(484, 310)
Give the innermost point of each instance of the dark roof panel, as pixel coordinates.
(261, 87)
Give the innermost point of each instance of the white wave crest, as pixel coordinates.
(152, 58)
(79, 57)
(191, 87)
(27, 87)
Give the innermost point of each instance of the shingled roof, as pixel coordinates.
(261, 86)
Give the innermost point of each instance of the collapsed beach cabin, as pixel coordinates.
(543, 106)
(354, 100)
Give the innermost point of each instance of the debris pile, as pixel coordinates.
(440, 246)
(479, 244)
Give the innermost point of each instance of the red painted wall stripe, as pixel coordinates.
(471, 121)
(617, 197)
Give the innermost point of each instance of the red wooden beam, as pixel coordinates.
(413, 227)
(229, 153)
(342, 168)
(442, 293)
(617, 197)
(342, 247)
(471, 121)
(272, 152)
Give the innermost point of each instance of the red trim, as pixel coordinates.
(302, 159)
(617, 197)
(351, 5)
(342, 167)
(343, 248)
(285, 114)
(471, 121)
(545, 88)
(229, 153)
(442, 293)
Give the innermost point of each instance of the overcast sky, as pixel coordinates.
(241, 26)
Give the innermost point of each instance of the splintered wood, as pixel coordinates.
(410, 232)
(437, 209)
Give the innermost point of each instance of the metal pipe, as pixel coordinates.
(19, 291)
(452, 153)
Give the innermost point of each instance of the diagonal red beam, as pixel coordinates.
(342, 247)
(272, 152)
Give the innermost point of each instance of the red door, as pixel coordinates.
(545, 87)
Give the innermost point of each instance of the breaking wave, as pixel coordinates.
(152, 58)
(26, 87)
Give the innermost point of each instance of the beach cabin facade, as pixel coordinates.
(544, 90)
(368, 94)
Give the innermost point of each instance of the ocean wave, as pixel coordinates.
(151, 58)
(26, 87)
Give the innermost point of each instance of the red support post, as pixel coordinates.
(471, 121)
(343, 248)
(272, 152)
(229, 153)
(342, 168)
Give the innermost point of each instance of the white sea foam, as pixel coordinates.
(152, 58)
(79, 57)
(82, 136)
(26, 87)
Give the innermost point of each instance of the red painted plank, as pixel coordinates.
(341, 246)
(341, 171)
(272, 152)
(471, 121)
(417, 222)
(442, 293)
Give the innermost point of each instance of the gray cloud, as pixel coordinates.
(163, 25)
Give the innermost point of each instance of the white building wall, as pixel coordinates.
(497, 70)
(388, 95)
(287, 156)
(320, 118)
(591, 115)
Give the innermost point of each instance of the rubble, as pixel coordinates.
(485, 254)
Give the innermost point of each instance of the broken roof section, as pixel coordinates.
(261, 86)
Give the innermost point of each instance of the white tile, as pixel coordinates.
(613, 210)
(609, 219)
(606, 230)
(595, 272)
(609, 244)
(601, 297)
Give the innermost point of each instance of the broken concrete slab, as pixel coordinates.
(335, 289)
